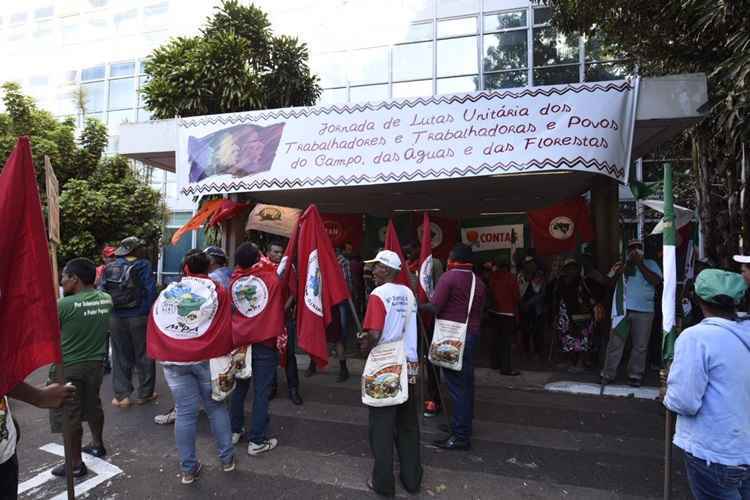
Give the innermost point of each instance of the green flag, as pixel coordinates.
(669, 292)
(620, 323)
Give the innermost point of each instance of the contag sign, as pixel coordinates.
(485, 238)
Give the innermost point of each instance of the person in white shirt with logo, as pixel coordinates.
(391, 314)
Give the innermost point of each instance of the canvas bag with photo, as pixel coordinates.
(385, 381)
(449, 338)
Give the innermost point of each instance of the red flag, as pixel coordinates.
(191, 320)
(392, 244)
(426, 285)
(258, 299)
(344, 228)
(322, 285)
(560, 228)
(30, 332)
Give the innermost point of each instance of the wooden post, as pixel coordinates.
(53, 228)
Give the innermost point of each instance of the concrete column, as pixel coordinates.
(605, 209)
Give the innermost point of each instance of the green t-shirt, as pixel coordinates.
(84, 321)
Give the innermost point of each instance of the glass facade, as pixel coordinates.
(463, 46)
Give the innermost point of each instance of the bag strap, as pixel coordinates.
(471, 295)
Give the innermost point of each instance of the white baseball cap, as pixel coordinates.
(742, 259)
(388, 258)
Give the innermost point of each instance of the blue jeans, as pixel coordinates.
(461, 390)
(191, 386)
(265, 360)
(717, 481)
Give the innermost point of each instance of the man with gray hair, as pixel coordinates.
(392, 315)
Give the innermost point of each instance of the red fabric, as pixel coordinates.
(448, 232)
(228, 209)
(392, 244)
(328, 286)
(375, 315)
(269, 323)
(574, 210)
(217, 341)
(30, 331)
(343, 228)
(425, 253)
(505, 292)
(207, 210)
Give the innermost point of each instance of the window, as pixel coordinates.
(505, 50)
(447, 8)
(368, 93)
(412, 89)
(556, 75)
(418, 32)
(425, 9)
(115, 118)
(122, 69)
(155, 15)
(499, 4)
(457, 27)
(42, 31)
(95, 116)
(368, 65)
(144, 115)
(96, 27)
(94, 95)
(69, 76)
(65, 103)
(595, 50)
(457, 56)
(599, 72)
(18, 17)
(173, 254)
(458, 85)
(551, 47)
(71, 30)
(44, 12)
(93, 73)
(507, 79)
(542, 15)
(331, 68)
(332, 96)
(126, 22)
(141, 82)
(122, 93)
(505, 20)
(412, 61)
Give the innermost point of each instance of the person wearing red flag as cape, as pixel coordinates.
(189, 324)
(30, 336)
(321, 285)
(257, 320)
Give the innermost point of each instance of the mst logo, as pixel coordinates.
(562, 228)
(314, 285)
(250, 296)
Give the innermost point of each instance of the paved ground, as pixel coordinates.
(528, 444)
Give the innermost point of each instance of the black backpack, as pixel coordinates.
(122, 285)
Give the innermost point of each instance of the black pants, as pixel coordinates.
(128, 337)
(399, 425)
(532, 327)
(432, 393)
(9, 478)
(505, 326)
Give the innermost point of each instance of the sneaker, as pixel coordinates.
(262, 447)
(229, 467)
(236, 436)
(167, 418)
(94, 451)
(190, 477)
(79, 471)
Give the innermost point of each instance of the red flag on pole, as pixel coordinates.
(392, 244)
(30, 332)
(426, 285)
(321, 285)
(561, 227)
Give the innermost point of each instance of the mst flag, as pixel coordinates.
(321, 285)
(392, 243)
(620, 324)
(258, 299)
(669, 292)
(426, 284)
(30, 332)
(560, 228)
(191, 320)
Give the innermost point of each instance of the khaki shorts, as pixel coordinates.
(87, 378)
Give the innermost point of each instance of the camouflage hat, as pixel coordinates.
(128, 245)
(713, 283)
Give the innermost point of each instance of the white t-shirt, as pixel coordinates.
(389, 308)
(7, 432)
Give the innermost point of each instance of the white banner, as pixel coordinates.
(585, 127)
(485, 238)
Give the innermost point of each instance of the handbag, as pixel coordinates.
(385, 379)
(222, 371)
(449, 338)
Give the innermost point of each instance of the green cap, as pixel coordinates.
(712, 283)
(128, 245)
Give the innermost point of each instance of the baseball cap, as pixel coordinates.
(388, 258)
(713, 283)
(635, 242)
(742, 259)
(570, 261)
(214, 251)
(128, 245)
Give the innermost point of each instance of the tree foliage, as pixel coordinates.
(235, 64)
(674, 36)
(101, 200)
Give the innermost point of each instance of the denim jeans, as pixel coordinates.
(265, 360)
(461, 391)
(717, 481)
(191, 386)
